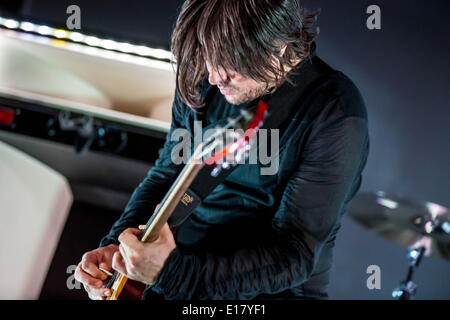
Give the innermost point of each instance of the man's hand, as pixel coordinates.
(90, 276)
(143, 261)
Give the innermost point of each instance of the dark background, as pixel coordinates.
(402, 71)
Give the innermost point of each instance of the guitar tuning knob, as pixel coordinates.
(216, 171)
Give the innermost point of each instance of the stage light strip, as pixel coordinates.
(10, 23)
(89, 40)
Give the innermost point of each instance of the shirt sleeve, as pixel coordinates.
(326, 178)
(155, 185)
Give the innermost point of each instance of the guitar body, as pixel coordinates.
(132, 290)
(128, 289)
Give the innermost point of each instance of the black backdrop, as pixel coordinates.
(402, 71)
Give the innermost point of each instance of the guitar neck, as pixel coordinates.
(172, 198)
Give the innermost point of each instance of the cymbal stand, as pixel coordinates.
(407, 288)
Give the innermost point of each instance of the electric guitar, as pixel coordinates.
(204, 159)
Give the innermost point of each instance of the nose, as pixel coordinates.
(215, 77)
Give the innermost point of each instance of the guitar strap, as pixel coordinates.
(305, 77)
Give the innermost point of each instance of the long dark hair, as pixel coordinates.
(239, 35)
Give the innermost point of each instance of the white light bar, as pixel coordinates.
(89, 40)
(92, 41)
(27, 26)
(45, 30)
(10, 23)
(108, 44)
(125, 47)
(61, 34)
(76, 37)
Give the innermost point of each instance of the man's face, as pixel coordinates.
(235, 88)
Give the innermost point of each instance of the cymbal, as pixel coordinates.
(406, 222)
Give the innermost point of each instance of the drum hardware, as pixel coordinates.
(407, 288)
(83, 126)
(88, 132)
(422, 227)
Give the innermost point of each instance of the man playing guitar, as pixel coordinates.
(255, 236)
